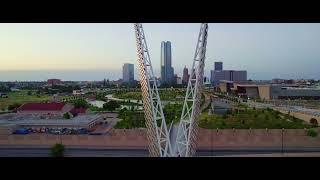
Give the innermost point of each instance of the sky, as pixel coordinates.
(92, 51)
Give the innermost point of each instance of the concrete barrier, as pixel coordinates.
(207, 138)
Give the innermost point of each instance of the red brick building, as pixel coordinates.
(52, 82)
(52, 109)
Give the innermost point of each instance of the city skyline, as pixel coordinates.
(167, 71)
(97, 51)
(128, 72)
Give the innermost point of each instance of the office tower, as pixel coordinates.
(179, 80)
(238, 75)
(104, 82)
(128, 72)
(185, 76)
(167, 72)
(229, 75)
(218, 66)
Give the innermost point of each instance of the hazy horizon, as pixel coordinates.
(97, 51)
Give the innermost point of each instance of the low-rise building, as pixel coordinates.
(3, 95)
(52, 82)
(78, 92)
(51, 109)
(269, 91)
(10, 122)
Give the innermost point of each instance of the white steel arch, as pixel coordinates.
(157, 132)
(185, 144)
(180, 141)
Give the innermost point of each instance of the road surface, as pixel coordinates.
(95, 152)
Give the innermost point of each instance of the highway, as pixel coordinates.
(95, 152)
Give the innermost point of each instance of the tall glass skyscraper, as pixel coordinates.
(218, 66)
(128, 72)
(167, 72)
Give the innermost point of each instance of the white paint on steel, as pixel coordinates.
(157, 132)
(180, 140)
(185, 144)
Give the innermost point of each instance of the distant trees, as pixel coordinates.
(101, 96)
(111, 105)
(4, 88)
(29, 93)
(61, 89)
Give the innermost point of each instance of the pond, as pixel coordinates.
(220, 110)
(97, 103)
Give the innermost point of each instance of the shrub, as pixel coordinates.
(312, 133)
(314, 122)
(80, 103)
(223, 124)
(57, 150)
(111, 105)
(224, 116)
(13, 106)
(66, 115)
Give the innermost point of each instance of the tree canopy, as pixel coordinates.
(111, 105)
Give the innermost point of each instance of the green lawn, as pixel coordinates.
(250, 118)
(128, 95)
(21, 97)
(164, 94)
(130, 119)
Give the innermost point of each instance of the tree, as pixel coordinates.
(57, 150)
(4, 88)
(80, 103)
(29, 93)
(13, 106)
(66, 115)
(314, 122)
(111, 105)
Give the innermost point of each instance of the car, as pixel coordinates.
(21, 131)
(95, 133)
